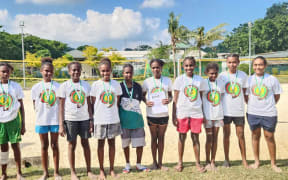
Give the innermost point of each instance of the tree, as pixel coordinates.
(202, 39)
(143, 48)
(43, 53)
(160, 52)
(81, 48)
(276, 10)
(177, 34)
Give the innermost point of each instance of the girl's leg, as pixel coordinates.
(196, 147)
(100, 151)
(208, 146)
(71, 157)
(139, 152)
(242, 145)
(154, 144)
(87, 154)
(181, 145)
(161, 140)
(269, 136)
(55, 149)
(4, 149)
(256, 134)
(111, 143)
(44, 154)
(127, 154)
(226, 143)
(215, 131)
(17, 157)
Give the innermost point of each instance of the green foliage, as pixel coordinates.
(277, 9)
(43, 53)
(160, 52)
(275, 71)
(81, 48)
(245, 68)
(284, 72)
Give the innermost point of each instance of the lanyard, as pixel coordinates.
(6, 94)
(211, 89)
(259, 86)
(109, 91)
(160, 83)
(234, 81)
(47, 94)
(76, 91)
(132, 90)
(187, 83)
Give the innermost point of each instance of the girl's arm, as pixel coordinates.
(148, 103)
(201, 96)
(34, 104)
(246, 98)
(169, 99)
(61, 116)
(22, 112)
(90, 111)
(276, 97)
(175, 100)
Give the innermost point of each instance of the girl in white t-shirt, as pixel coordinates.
(46, 107)
(263, 93)
(159, 94)
(75, 116)
(105, 95)
(187, 110)
(233, 106)
(211, 92)
(12, 119)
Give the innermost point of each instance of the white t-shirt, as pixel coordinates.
(46, 103)
(150, 87)
(75, 109)
(9, 104)
(212, 104)
(233, 102)
(106, 107)
(189, 102)
(263, 103)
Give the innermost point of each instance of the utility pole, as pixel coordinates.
(249, 26)
(23, 53)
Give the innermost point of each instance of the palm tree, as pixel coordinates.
(206, 39)
(176, 33)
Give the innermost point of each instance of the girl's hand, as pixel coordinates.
(204, 121)
(175, 122)
(149, 103)
(23, 130)
(165, 101)
(61, 131)
(91, 127)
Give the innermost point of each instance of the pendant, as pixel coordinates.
(5, 108)
(130, 105)
(79, 105)
(48, 105)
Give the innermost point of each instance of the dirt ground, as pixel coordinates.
(30, 145)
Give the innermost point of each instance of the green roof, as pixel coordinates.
(183, 46)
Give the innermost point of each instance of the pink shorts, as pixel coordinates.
(194, 124)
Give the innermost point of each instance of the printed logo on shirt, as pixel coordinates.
(235, 92)
(156, 89)
(107, 98)
(77, 98)
(191, 92)
(260, 92)
(51, 100)
(214, 97)
(6, 101)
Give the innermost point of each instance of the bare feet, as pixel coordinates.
(163, 168)
(3, 177)
(254, 166)
(179, 167)
(226, 164)
(200, 168)
(213, 167)
(276, 168)
(113, 174)
(91, 176)
(102, 175)
(57, 177)
(154, 166)
(208, 167)
(20, 177)
(43, 177)
(74, 176)
(245, 164)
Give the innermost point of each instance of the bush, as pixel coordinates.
(245, 68)
(284, 72)
(275, 71)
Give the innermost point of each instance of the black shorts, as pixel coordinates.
(267, 123)
(74, 128)
(157, 120)
(238, 121)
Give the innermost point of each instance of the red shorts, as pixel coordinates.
(194, 124)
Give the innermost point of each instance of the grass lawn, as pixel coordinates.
(237, 171)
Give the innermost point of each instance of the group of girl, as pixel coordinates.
(108, 109)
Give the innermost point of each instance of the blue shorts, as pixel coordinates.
(266, 122)
(46, 129)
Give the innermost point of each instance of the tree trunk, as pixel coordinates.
(174, 61)
(200, 62)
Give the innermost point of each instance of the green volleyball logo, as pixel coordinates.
(191, 92)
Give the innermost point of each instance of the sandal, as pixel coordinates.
(126, 170)
(179, 167)
(143, 169)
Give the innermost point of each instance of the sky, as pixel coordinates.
(123, 23)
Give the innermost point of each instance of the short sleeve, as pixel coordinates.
(93, 90)
(222, 87)
(33, 93)
(202, 85)
(118, 89)
(88, 88)
(245, 80)
(20, 94)
(145, 86)
(176, 85)
(276, 86)
(169, 85)
(247, 86)
(61, 91)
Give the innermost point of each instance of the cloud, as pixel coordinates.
(162, 36)
(3, 15)
(157, 3)
(152, 23)
(48, 1)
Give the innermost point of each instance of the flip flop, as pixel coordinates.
(126, 170)
(143, 169)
